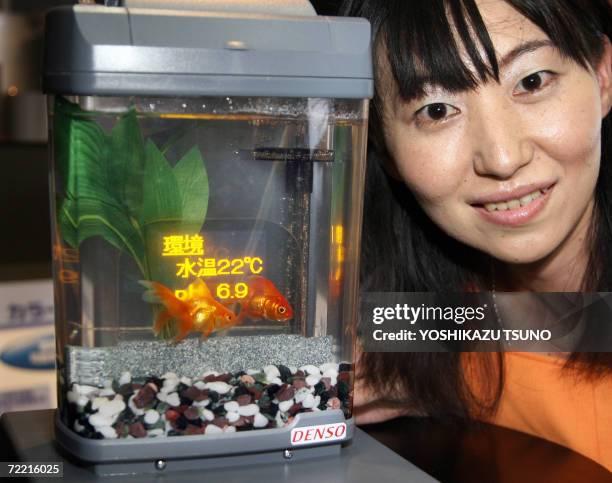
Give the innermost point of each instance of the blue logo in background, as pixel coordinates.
(37, 353)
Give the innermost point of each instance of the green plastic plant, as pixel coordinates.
(121, 187)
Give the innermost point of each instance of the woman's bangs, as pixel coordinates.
(427, 45)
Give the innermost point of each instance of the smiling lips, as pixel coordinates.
(514, 208)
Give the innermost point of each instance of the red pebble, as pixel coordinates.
(344, 376)
(138, 430)
(192, 429)
(192, 413)
(299, 383)
(172, 415)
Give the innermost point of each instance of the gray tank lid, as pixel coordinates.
(122, 51)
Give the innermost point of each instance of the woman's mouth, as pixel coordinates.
(517, 210)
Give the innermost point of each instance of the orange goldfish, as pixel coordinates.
(198, 312)
(264, 301)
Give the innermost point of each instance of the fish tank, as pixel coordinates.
(205, 234)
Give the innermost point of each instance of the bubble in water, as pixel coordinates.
(152, 106)
(184, 105)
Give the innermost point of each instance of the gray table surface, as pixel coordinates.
(365, 460)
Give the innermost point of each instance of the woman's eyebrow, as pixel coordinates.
(523, 49)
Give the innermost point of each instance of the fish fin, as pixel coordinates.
(161, 321)
(202, 289)
(158, 293)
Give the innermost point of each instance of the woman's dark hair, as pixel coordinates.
(416, 42)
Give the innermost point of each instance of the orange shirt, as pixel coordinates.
(542, 399)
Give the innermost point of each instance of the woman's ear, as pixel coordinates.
(604, 76)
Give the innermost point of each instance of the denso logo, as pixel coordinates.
(317, 434)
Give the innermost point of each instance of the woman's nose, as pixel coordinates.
(501, 145)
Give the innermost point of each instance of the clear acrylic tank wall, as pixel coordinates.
(205, 260)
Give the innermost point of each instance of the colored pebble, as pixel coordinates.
(232, 416)
(151, 416)
(310, 369)
(312, 379)
(231, 406)
(222, 402)
(219, 387)
(212, 429)
(173, 399)
(248, 410)
(260, 421)
(125, 378)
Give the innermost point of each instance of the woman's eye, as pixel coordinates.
(436, 112)
(534, 82)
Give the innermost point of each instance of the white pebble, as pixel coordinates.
(125, 378)
(327, 366)
(271, 371)
(156, 432)
(170, 375)
(185, 380)
(201, 404)
(248, 410)
(333, 381)
(276, 380)
(219, 387)
(231, 406)
(331, 373)
(108, 432)
(210, 373)
(78, 427)
(310, 369)
(308, 402)
(301, 394)
(151, 416)
(229, 429)
(252, 372)
(108, 383)
(212, 429)
(260, 421)
(107, 392)
(137, 411)
(99, 420)
(293, 369)
(84, 390)
(232, 416)
(317, 401)
(312, 380)
(112, 408)
(98, 402)
(173, 399)
(208, 415)
(169, 385)
(201, 385)
(285, 405)
(162, 396)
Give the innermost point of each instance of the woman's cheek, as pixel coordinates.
(430, 165)
(568, 129)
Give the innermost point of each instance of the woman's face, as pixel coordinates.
(511, 167)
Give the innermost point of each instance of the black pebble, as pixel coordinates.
(181, 422)
(319, 388)
(272, 410)
(344, 367)
(213, 396)
(324, 398)
(181, 387)
(174, 432)
(343, 390)
(240, 390)
(272, 389)
(219, 411)
(285, 373)
(155, 380)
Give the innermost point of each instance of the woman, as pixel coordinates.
(491, 119)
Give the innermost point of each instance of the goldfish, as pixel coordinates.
(264, 301)
(198, 312)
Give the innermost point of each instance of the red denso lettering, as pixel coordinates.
(324, 432)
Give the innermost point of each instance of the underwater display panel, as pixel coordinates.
(205, 253)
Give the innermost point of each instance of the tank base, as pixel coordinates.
(106, 457)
